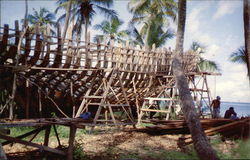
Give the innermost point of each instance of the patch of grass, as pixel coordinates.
(165, 155)
(62, 131)
(241, 151)
(17, 131)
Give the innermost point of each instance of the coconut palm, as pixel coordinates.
(201, 144)
(152, 15)
(25, 24)
(43, 18)
(84, 11)
(246, 17)
(204, 65)
(157, 36)
(111, 30)
(240, 57)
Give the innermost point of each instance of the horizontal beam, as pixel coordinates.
(154, 110)
(160, 99)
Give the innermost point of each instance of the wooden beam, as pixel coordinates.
(154, 110)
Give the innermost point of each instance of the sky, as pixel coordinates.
(217, 24)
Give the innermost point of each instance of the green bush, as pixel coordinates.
(78, 152)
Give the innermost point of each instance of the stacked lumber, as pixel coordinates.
(225, 127)
(236, 129)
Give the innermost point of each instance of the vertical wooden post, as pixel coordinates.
(46, 136)
(39, 103)
(71, 142)
(72, 99)
(27, 104)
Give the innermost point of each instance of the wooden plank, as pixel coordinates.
(160, 99)
(41, 147)
(58, 56)
(4, 41)
(154, 110)
(38, 48)
(62, 69)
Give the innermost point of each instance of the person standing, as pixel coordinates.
(216, 107)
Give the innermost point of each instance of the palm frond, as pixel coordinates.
(105, 3)
(239, 56)
(109, 13)
(208, 65)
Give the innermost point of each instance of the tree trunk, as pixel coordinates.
(86, 29)
(246, 16)
(66, 24)
(25, 24)
(201, 144)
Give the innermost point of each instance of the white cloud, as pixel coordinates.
(225, 8)
(233, 85)
(211, 51)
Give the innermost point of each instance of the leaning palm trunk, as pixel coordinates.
(86, 29)
(65, 28)
(201, 144)
(246, 15)
(25, 24)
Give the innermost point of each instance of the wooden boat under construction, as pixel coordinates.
(68, 77)
(44, 76)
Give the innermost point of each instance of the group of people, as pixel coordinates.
(230, 113)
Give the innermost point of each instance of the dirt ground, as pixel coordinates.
(116, 145)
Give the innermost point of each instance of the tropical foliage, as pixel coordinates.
(43, 18)
(154, 18)
(111, 30)
(204, 65)
(239, 56)
(83, 12)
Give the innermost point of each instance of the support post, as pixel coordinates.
(27, 104)
(71, 141)
(46, 136)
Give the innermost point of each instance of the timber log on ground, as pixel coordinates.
(225, 127)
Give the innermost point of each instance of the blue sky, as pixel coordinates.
(216, 24)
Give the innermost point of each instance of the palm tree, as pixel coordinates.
(43, 19)
(204, 65)
(25, 24)
(201, 144)
(153, 15)
(240, 57)
(110, 30)
(246, 17)
(157, 36)
(83, 12)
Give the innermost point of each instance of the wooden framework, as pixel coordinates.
(90, 75)
(47, 125)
